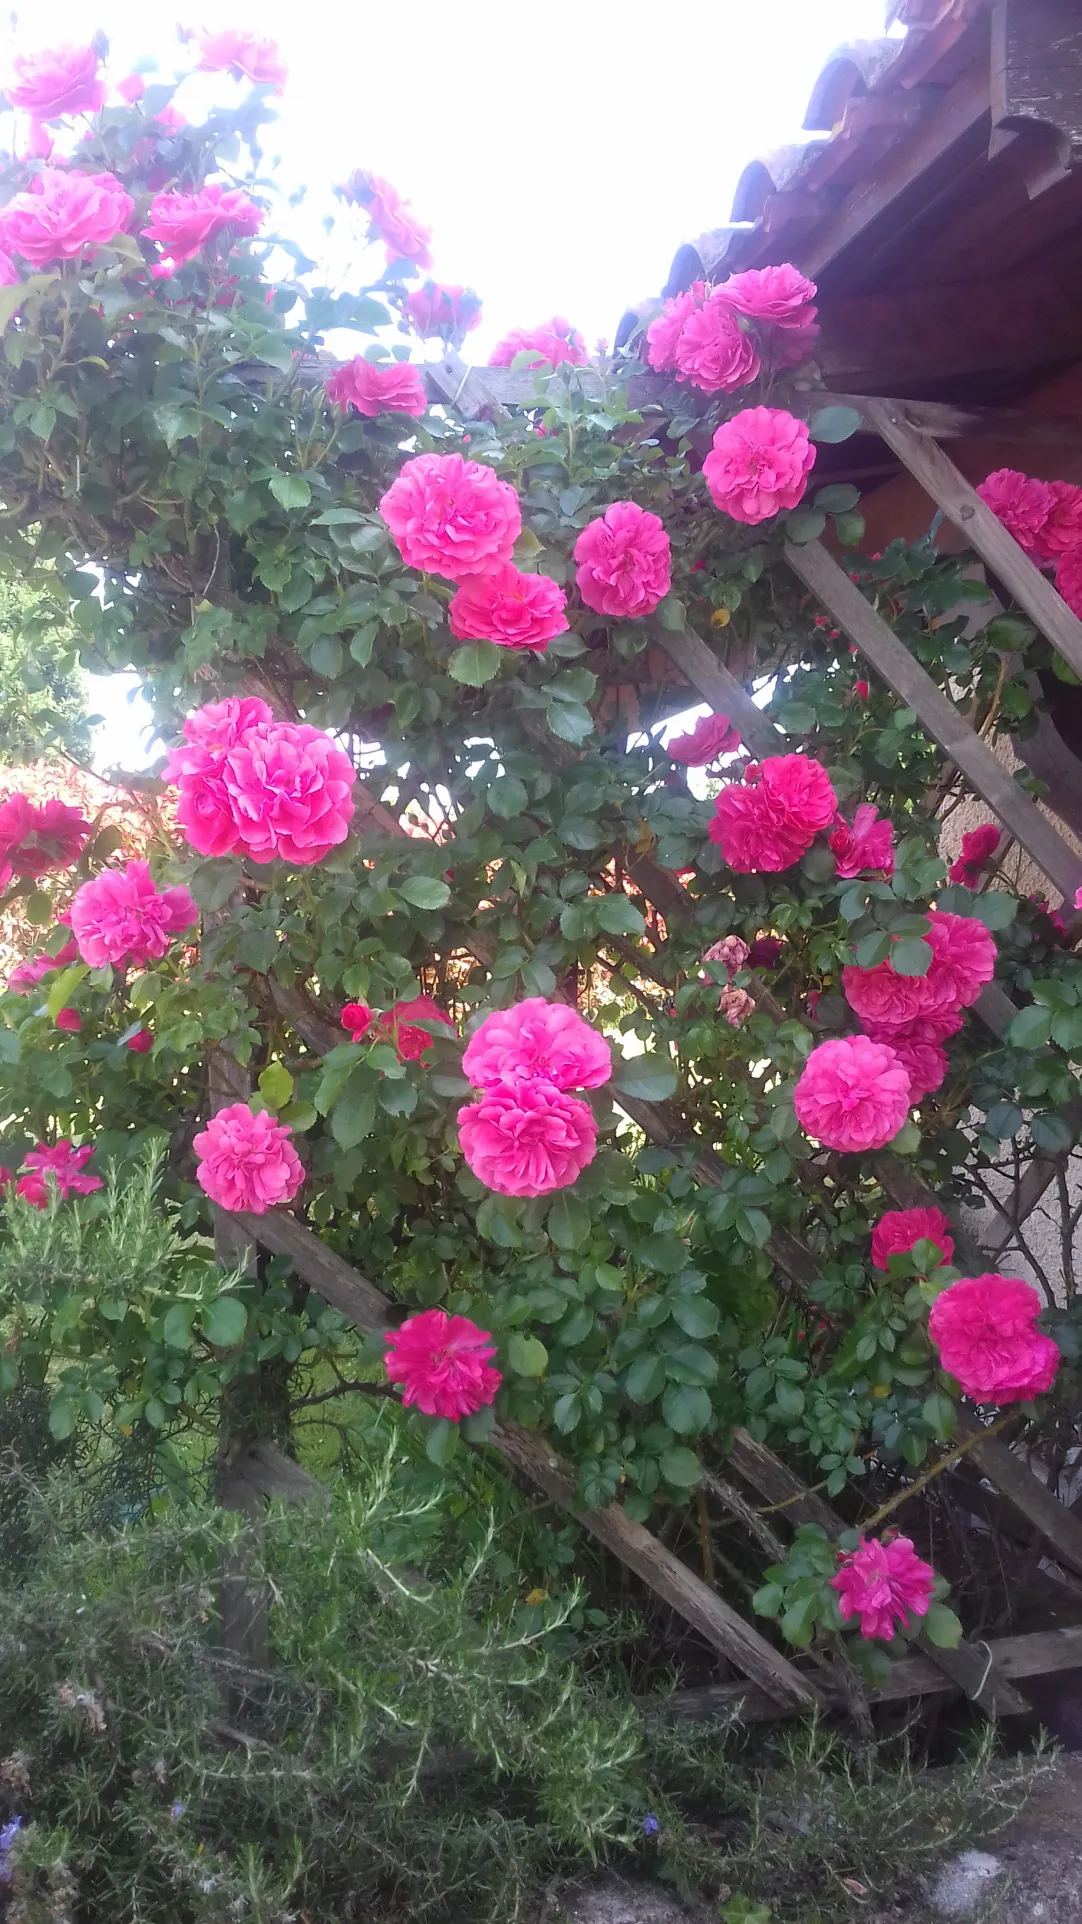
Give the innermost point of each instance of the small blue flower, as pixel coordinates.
(177, 1809)
(8, 1833)
(650, 1825)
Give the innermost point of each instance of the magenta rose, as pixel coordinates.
(395, 387)
(1022, 504)
(65, 1165)
(978, 847)
(64, 214)
(553, 342)
(62, 80)
(204, 807)
(853, 1094)
(713, 351)
(884, 1585)
(1063, 528)
(963, 959)
(536, 1039)
(122, 916)
(528, 1140)
(867, 845)
(9, 273)
(238, 52)
(451, 517)
(663, 335)
(882, 998)
(390, 219)
(184, 223)
(759, 464)
(625, 562)
(778, 296)
(752, 837)
(1069, 579)
(444, 312)
(984, 1328)
(247, 1162)
(899, 1230)
(442, 1361)
(712, 735)
(505, 606)
(289, 792)
(921, 1056)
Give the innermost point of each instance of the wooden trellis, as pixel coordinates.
(770, 1684)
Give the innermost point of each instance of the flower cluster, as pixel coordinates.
(916, 1014)
(36, 837)
(548, 345)
(526, 1135)
(769, 820)
(985, 1329)
(271, 789)
(62, 1166)
(718, 337)
(1045, 518)
(63, 215)
(400, 1025)
(246, 1161)
(443, 1362)
(884, 1584)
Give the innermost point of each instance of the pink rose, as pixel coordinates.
(71, 1020)
(869, 844)
(131, 88)
(62, 80)
(978, 847)
(799, 790)
(624, 561)
(883, 999)
(778, 296)
(712, 735)
(63, 215)
(35, 838)
(244, 53)
(247, 1162)
(357, 1018)
(394, 388)
(884, 1584)
(1022, 504)
(1063, 528)
(443, 1362)
(65, 1165)
(735, 1005)
(451, 517)
(984, 1328)
(171, 121)
(753, 839)
(9, 273)
(1069, 579)
(390, 219)
(185, 223)
(713, 351)
(400, 1025)
(554, 342)
(963, 958)
(529, 1140)
(288, 788)
(204, 806)
(219, 725)
(26, 975)
(141, 1043)
(732, 950)
(445, 312)
(852, 1094)
(922, 1058)
(899, 1231)
(759, 464)
(123, 916)
(536, 1039)
(505, 606)
(663, 335)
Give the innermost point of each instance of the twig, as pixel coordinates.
(941, 1463)
(346, 1389)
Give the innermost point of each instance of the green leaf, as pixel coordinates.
(327, 656)
(1052, 1134)
(224, 1322)
(686, 1409)
(506, 797)
(42, 421)
(680, 1467)
(671, 614)
(834, 424)
(475, 663)
(619, 916)
(63, 987)
(696, 1315)
(996, 909)
(838, 498)
(804, 525)
(646, 1378)
(942, 1627)
(276, 1086)
(570, 722)
(290, 490)
(527, 1355)
(569, 1222)
(424, 891)
(647, 1078)
(177, 1326)
(441, 1442)
(1004, 1119)
(850, 529)
(61, 1417)
(354, 1112)
(911, 956)
(1030, 1028)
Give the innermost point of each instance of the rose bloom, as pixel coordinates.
(554, 341)
(71, 1020)
(141, 1043)
(753, 838)
(978, 847)
(853, 1094)
(62, 80)
(713, 351)
(869, 844)
(766, 952)
(390, 219)
(289, 791)
(536, 1038)
(63, 214)
(735, 1005)
(759, 463)
(123, 916)
(1063, 528)
(246, 1161)
(799, 790)
(219, 725)
(443, 1362)
(245, 53)
(204, 806)
(397, 1027)
(65, 1165)
(450, 516)
(26, 975)
(663, 334)
(884, 1584)
(9, 273)
(963, 958)
(984, 1328)
(1021, 503)
(131, 88)
(712, 735)
(510, 608)
(185, 223)
(1069, 579)
(922, 1058)
(732, 950)
(35, 838)
(357, 1018)
(778, 296)
(624, 561)
(529, 1140)
(394, 388)
(883, 999)
(899, 1231)
(444, 311)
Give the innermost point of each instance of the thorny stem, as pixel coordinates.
(937, 1468)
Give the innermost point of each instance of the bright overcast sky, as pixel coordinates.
(560, 153)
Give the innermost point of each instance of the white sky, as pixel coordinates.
(560, 152)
